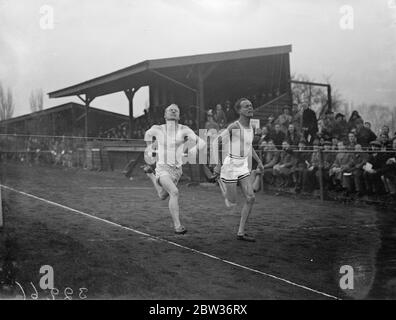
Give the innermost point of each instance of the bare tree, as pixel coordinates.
(6, 103)
(36, 100)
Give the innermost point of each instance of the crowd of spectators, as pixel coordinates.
(355, 161)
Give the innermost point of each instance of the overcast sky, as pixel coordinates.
(94, 37)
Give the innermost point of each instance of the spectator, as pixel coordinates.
(334, 144)
(373, 170)
(352, 141)
(270, 124)
(367, 125)
(364, 135)
(323, 132)
(265, 135)
(270, 159)
(211, 123)
(219, 116)
(301, 166)
(385, 130)
(340, 129)
(309, 123)
(328, 160)
(312, 168)
(284, 119)
(389, 177)
(230, 112)
(283, 169)
(359, 160)
(292, 136)
(278, 136)
(342, 163)
(297, 117)
(384, 140)
(352, 120)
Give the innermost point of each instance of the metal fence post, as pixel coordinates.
(320, 154)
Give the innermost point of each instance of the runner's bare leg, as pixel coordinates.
(171, 189)
(247, 190)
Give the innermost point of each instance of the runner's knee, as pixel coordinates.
(251, 198)
(174, 193)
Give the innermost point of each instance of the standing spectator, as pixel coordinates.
(352, 120)
(219, 116)
(230, 112)
(364, 135)
(278, 136)
(297, 116)
(284, 119)
(309, 123)
(340, 129)
(312, 169)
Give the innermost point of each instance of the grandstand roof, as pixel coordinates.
(59, 108)
(142, 73)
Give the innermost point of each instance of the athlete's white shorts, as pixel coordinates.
(173, 172)
(234, 169)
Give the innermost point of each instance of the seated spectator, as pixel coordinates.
(300, 166)
(292, 136)
(211, 124)
(356, 171)
(384, 140)
(341, 165)
(271, 124)
(385, 130)
(389, 177)
(364, 135)
(352, 141)
(334, 143)
(270, 159)
(284, 119)
(265, 135)
(323, 132)
(283, 169)
(374, 169)
(278, 136)
(328, 160)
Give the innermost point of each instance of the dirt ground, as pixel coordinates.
(301, 242)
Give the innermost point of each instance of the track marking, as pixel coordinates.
(172, 243)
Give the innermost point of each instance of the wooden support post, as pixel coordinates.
(1, 211)
(87, 102)
(329, 99)
(130, 93)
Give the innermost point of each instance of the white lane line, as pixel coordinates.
(172, 243)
